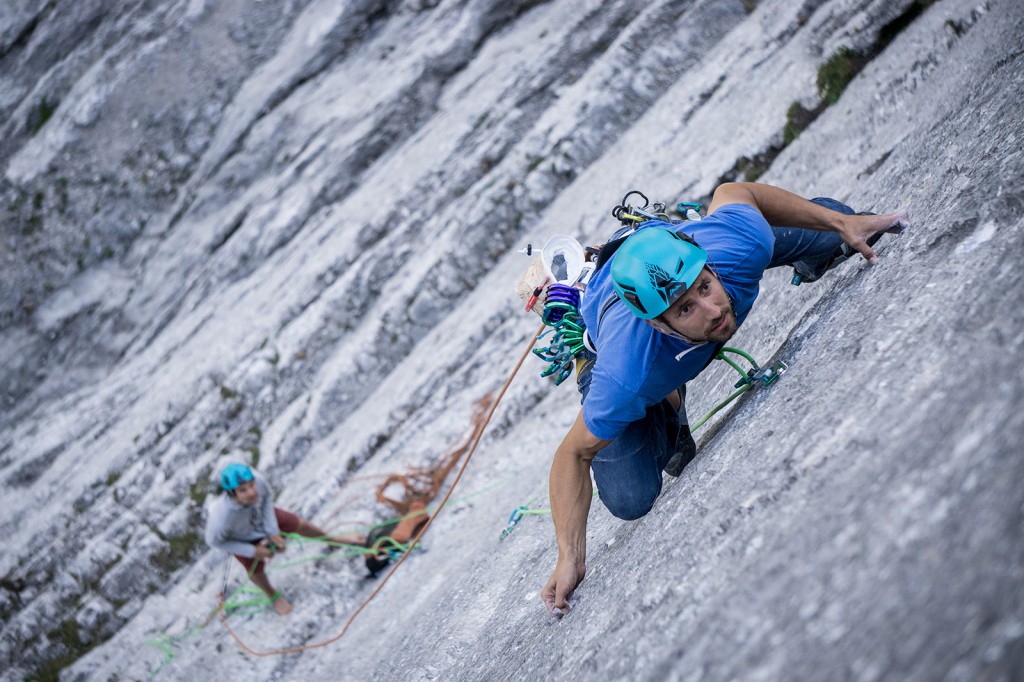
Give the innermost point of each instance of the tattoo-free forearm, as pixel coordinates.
(570, 489)
(778, 206)
(782, 208)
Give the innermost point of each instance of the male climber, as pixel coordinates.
(245, 522)
(657, 312)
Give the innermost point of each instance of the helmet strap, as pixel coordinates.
(662, 327)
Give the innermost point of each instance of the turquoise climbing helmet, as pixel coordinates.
(654, 267)
(234, 475)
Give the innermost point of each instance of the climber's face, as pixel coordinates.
(703, 313)
(246, 493)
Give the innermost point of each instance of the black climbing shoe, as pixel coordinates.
(686, 448)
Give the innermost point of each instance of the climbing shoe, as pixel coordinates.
(686, 448)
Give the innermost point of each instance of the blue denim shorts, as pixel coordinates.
(628, 470)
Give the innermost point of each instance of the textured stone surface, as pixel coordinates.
(289, 231)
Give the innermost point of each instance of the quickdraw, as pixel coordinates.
(562, 314)
(766, 376)
(513, 520)
(524, 510)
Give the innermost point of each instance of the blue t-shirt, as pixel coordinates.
(637, 365)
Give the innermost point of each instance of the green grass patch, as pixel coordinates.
(198, 491)
(179, 550)
(836, 73)
(67, 633)
(797, 119)
(254, 454)
(42, 114)
(33, 224)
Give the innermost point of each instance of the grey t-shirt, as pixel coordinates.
(233, 527)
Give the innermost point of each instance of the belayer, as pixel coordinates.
(657, 312)
(245, 522)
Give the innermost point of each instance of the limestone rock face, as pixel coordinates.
(287, 233)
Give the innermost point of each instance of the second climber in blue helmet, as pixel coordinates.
(244, 522)
(656, 313)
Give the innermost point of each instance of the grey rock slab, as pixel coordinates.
(290, 231)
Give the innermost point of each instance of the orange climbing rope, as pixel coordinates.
(422, 484)
(470, 448)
